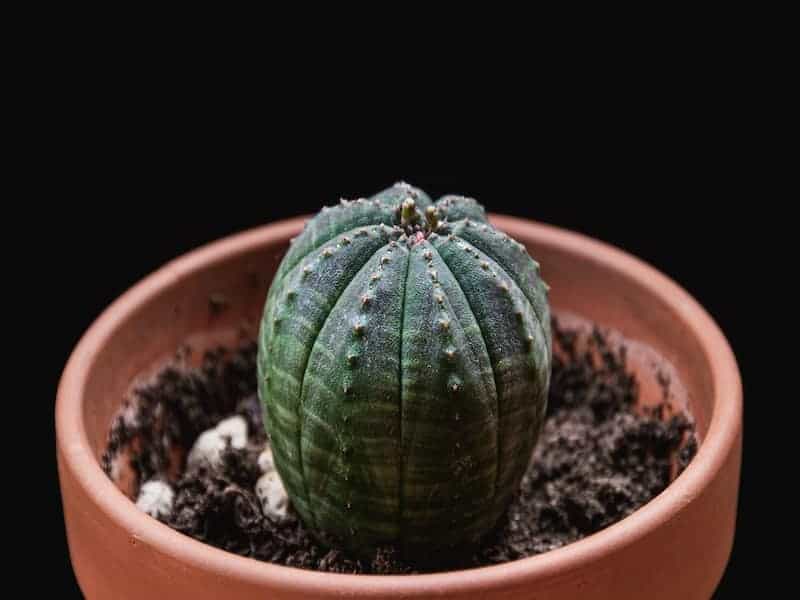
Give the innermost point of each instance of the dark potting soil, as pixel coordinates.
(597, 460)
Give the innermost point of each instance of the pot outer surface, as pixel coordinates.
(674, 547)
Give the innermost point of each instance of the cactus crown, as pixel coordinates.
(415, 225)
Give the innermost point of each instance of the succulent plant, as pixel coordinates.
(404, 363)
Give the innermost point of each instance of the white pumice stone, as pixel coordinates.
(265, 461)
(236, 428)
(272, 494)
(130, 415)
(155, 499)
(209, 445)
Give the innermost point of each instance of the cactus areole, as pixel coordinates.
(404, 363)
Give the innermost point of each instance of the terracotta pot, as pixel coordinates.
(676, 546)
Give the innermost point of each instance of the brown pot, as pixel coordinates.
(676, 546)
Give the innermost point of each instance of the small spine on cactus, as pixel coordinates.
(432, 216)
(408, 212)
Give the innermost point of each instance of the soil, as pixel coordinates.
(598, 459)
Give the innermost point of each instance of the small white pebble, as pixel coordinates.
(155, 499)
(209, 445)
(272, 494)
(115, 469)
(235, 428)
(206, 449)
(265, 461)
(130, 415)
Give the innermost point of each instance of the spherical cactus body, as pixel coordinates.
(404, 363)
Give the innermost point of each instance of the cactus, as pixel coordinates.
(404, 363)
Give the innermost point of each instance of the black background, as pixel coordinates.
(669, 216)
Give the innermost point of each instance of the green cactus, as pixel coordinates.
(404, 362)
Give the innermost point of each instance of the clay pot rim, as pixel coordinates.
(718, 443)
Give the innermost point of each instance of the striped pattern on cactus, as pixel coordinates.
(404, 363)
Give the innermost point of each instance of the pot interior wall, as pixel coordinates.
(200, 307)
(213, 304)
(659, 339)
